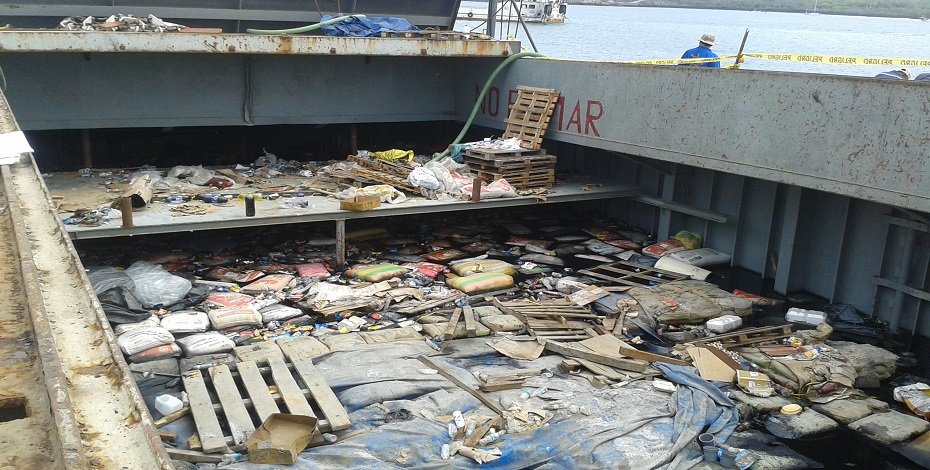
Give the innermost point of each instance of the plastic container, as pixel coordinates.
(724, 324)
(710, 453)
(809, 317)
(706, 439)
(167, 404)
(727, 459)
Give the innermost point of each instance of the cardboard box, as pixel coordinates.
(281, 438)
(754, 383)
(713, 364)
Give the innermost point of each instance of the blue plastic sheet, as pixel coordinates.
(364, 27)
(631, 427)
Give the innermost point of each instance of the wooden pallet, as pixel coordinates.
(557, 320)
(631, 274)
(748, 336)
(221, 404)
(530, 115)
(523, 170)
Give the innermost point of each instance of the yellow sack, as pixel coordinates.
(394, 154)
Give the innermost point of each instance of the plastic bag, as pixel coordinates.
(424, 179)
(387, 193)
(104, 278)
(155, 286)
(195, 174)
(121, 306)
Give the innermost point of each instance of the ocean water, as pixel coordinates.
(634, 33)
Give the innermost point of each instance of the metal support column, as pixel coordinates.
(789, 232)
(353, 138)
(901, 279)
(85, 147)
(665, 214)
(340, 243)
(492, 17)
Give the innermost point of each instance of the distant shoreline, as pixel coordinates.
(853, 7)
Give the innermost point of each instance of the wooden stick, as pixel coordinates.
(452, 378)
(173, 416)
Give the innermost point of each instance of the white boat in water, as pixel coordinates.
(551, 11)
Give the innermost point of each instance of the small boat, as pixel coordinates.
(550, 11)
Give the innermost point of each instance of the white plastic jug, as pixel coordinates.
(167, 404)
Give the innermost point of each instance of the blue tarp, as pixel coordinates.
(366, 27)
(630, 427)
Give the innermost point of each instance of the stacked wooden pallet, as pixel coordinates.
(630, 274)
(529, 116)
(523, 169)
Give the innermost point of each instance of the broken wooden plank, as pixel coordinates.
(173, 417)
(471, 390)
(470, 328)
(615, 360)
(237, 417)
(257, 389)
(208, 427)
(167, 436)
(193, 442)
(323, 395)
(453, 322)
(193, 456)
(498, 386)
(480, 431)
(610, 344)
(599, 369)
(293, 398)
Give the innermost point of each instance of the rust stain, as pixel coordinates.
(232, 48)
(285, 44)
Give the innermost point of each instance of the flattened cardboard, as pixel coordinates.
(713, 364)
(140, 192)
(281, 438)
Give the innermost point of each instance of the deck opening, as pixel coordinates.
(12, 409)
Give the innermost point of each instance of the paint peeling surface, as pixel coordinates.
(860, 137)
(97, 41)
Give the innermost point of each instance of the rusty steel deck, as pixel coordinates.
(66, 395)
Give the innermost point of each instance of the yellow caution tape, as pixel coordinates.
(842, 59)
(681, 61)
(812, 58)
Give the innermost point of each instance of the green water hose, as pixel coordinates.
(484, 91)
(303, 29)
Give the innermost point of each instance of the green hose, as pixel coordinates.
(303, 29)
(484, 91)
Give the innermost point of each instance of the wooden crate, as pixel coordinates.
(226, 400)
(360, 203)
(630, 274)
(530, 115)
(394, 174)
(556, 319)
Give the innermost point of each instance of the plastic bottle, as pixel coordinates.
(539, 391)
(330, 438)
(249, 205)
(453, 430)
(230, 459)
(470, 427)
(432, 344)
(491, 437)
(459, 419)
(444, 452)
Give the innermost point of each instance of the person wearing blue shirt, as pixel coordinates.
(703, 52)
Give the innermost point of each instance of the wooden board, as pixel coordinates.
(622, 272)
(453, 322)
(470, 327)
(237, 417)
(290, 392)
(208, 426)
(612, 360)
(323, 395)
(458, 382)
(610, 344)
(257, 390)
